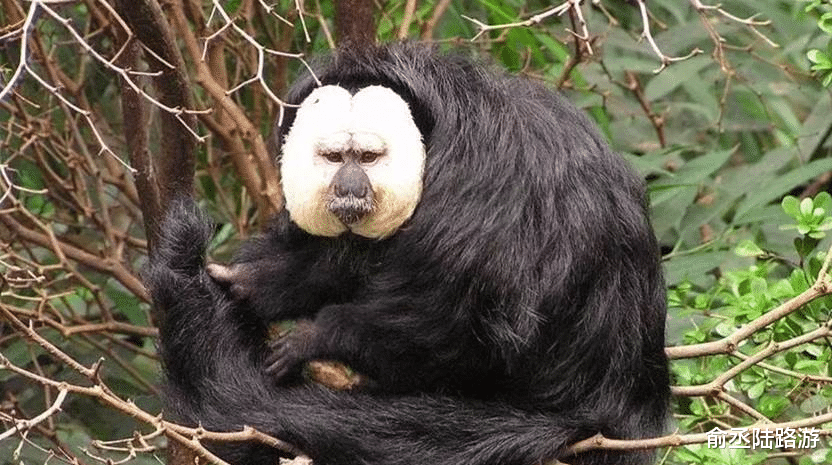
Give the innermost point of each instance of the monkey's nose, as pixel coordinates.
(351, 180)
(352, 194)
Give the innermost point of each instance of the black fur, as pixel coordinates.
(519, 310)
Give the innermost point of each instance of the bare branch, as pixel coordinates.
(666, 60)
(750, 22)
(558, 10)
(23, 425)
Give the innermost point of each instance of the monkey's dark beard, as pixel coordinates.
(350, 209)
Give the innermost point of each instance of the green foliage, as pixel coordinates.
(811, 214)
(822, 58)
(812, 220)
(702, 455)
(792, 383)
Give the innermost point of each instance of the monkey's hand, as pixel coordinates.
(237, 277)
(291, 351)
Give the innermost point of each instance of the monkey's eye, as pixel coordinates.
(333, 157)
(368, 157)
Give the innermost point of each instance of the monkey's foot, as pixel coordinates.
(290, 351)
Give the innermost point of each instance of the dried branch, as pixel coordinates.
(189, 437)
(717, 385)
(23, 425)
(64, 250)
(750, 22)
(634, 85)
(675, 440)
(256, 168)
(536, 19)
(430, 26)
(647, 34)
(261, 53)
(407, 19)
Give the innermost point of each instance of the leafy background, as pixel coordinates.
(733, 140)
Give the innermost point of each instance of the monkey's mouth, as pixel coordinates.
(350, 209)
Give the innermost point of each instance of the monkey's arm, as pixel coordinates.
(280, 275)
(429, 352)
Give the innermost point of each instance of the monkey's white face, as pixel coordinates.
(375, 130)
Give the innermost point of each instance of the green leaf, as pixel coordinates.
(823, 67)
(758, 286)
(798, 281)
(814, 404)
(698, 169)
(805, 245)
(748, 248)
(232, 6)
(814, 127)
(757, 389)
(791, 206)
(813, 4)
(806, 207)
(225, 232)
(685, 454)
(823, 200)
(128, 305)
(819, 58)
(825, 22)
(827, 80)
(784, 183)
(693, 267)
(772, 405)
(674, 76)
